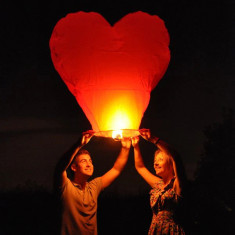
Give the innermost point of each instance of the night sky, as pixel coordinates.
(40, 119)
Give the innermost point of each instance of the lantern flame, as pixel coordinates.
(117, 134)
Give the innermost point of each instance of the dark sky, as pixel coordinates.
(40, 119)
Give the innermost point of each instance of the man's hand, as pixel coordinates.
(86, 136)
(119, 164)
(126, 142)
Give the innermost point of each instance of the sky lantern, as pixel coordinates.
(111, 70)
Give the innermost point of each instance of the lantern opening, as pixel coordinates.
(117, 134)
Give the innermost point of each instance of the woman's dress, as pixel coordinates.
(163, 201)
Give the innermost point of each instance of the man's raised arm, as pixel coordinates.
(119, 164)
(60, 174)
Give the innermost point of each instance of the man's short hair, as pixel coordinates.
(80, 152)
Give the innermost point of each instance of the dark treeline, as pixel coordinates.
(212, 191)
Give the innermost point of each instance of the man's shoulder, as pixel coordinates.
(95, 183)
(96, 180)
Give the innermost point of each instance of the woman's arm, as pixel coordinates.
(139, 164)
(166, 148)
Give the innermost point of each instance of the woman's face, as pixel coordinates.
(162, 164)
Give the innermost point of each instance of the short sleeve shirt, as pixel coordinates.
(79, 208)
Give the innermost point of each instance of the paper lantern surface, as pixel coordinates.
(111, 70)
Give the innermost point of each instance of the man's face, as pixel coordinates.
(83, 165)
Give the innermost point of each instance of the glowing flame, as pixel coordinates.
(119, 119)
(117, 134)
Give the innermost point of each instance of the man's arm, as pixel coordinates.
(119, 164)
(60, 175)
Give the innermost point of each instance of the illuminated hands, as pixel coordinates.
(126, 142)
(135, 141)
(86, 136)
(146, 134)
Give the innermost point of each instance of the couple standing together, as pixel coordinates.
(78, 197)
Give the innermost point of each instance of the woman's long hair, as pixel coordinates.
(177, 165)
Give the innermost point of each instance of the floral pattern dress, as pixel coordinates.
(163, 201)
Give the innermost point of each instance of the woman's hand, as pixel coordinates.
(135, 141)
(146, 134)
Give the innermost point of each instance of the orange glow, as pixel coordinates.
(119, 119)
(111, 70)
(114, 109)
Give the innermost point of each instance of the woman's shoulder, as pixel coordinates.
(158, 184)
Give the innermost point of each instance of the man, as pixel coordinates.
(78, 196)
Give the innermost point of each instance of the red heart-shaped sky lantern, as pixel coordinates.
(111, 70)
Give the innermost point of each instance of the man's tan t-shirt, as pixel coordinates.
(79, 208)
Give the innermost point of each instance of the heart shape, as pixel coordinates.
(111, 70)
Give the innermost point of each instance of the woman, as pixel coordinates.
(167, 184)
